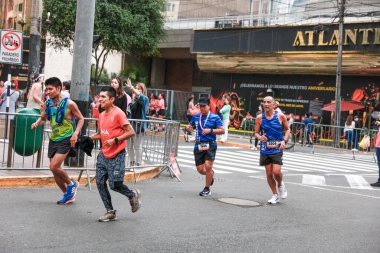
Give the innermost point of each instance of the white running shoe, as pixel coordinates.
(274, 200)
(283, 191)
(254, 148)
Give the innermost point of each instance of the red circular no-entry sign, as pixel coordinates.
(11, 41)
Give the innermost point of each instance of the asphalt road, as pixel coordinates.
(174, 218)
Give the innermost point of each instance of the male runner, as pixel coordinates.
(207, 125)
(61, 113)
(268, 129)
(114, 130)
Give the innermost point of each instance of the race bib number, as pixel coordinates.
(273, 144)
(203, 146)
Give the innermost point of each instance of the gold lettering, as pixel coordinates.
(334, 38)
(299, 40)
(365, 35)
(321, 38)
(351, 35)
(376, 40)
(310, 35)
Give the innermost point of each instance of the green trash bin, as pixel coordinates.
(27, 141)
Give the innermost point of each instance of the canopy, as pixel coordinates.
(344, 106)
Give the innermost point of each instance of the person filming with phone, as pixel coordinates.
(207, 125)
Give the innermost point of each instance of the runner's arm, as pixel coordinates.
(285, 126)
(129, 132)
(96, 136)
(78, 115)
(257, 129)
(41, 120)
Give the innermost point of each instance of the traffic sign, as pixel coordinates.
(11, 47)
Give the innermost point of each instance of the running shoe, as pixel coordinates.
(283, 191)
(108, 216)
(274, 200)
(65, 200)
(254, 148)
(72, 189)
(135, 201)
(377, 184)
(205, 192)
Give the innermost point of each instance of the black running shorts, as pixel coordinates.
(59, 147)
(271, 159)
(202, 156)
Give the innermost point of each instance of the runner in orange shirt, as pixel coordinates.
(114, 130)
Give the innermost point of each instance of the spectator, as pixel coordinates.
(225, 112)
(161, 106)
(356, 136)
(291, 120)
(2, 87)
(35, 94)
(65, 92)
(190, 106)
(276, 106)
(377, 147)
(153, 104)
(247, 122)
(308, 126)
(349, 126)
(121, 97)
(14, 95)
(137, 110)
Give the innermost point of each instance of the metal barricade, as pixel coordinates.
(158, 142)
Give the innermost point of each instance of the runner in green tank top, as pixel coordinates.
(63, 136)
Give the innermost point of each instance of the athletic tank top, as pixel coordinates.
(272, 129)
(60, 131)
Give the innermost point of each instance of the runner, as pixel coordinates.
(207, 126)
(61, 113)
(268, 130)
(114, 130)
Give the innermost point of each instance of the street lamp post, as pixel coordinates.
(21, 22)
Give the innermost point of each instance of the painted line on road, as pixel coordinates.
(191, 165)
(313, 180)
(357, 182)
(326, 189)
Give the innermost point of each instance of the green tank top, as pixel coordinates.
(60, 131)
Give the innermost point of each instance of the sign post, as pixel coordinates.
(11, 47)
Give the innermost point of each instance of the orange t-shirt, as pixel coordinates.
(111, 126)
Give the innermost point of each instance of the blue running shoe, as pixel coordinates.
(65, 200)
(72, 189)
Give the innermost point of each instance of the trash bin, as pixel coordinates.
(27, 141)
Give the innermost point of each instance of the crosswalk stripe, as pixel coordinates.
(192, 166)
(358, 182)
(337, 165)
(224, 167)
(313, 180)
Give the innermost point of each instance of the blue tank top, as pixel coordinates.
(272, 129)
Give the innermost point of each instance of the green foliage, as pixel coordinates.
(136, 72)
(134, 27)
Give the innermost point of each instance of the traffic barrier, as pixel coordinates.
(156, 142)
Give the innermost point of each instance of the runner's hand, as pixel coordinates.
(73, 140)
(263, 138)
(109, 143)
(34, 125)
(282, 145)
(206, 131)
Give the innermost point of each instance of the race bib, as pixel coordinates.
(203, 146)
(273, 144)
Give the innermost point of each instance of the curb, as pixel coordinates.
(46, 181)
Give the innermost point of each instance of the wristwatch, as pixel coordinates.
(212, 131)
(116, 140)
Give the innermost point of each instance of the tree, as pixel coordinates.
(133, 27)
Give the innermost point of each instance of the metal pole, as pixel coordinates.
(34, 40)
(81, 71)
(339, 76)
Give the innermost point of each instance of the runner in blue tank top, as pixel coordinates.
(268, 129)
(207, 125)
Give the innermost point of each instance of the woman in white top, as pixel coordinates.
(349, 130)
(35, 98)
